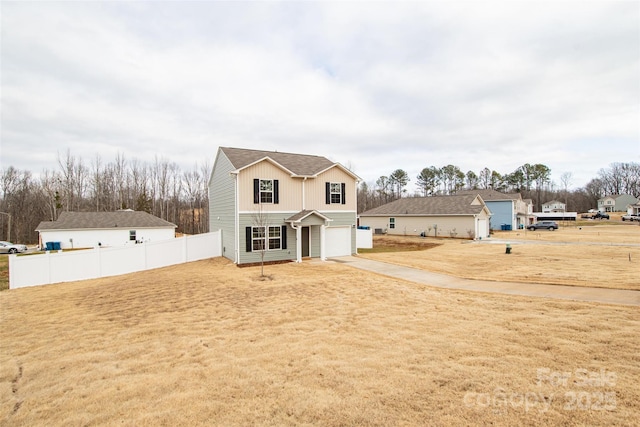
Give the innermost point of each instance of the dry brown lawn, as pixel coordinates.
(598, 256)
(208, 343)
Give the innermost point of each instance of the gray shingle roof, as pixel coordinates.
(437, 205)
(101, 220)
(299, 164)
(489, 195)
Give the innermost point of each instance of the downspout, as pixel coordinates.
(236, 226)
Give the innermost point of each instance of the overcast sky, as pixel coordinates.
(376, 86)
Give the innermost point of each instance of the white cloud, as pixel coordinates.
(376, 85)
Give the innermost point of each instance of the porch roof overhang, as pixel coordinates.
(299, 218)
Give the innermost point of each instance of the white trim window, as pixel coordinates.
(336, 192)
(392, 223)
(257, 239)
(275, 238)
(266, 191)
(260, 240)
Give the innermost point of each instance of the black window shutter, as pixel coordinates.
(256, 191)
(249, 239)
(328, 192)
(276, 193)
(284, 237)
(344, 193)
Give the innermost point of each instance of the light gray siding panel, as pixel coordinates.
(249, 220)
(222, 196)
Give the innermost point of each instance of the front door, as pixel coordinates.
(305, 241)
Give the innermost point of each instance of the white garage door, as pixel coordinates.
(338, 241)
(483, 228)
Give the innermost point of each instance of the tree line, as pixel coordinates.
(181, 197)
(532, 181)
(159, 188)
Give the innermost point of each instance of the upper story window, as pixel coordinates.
(335, 193)
(265, 191)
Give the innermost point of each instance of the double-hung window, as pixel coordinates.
(265, 191)
(335, 193)
(257, 238)
(392, 223)
(266, 238)
(275, 241)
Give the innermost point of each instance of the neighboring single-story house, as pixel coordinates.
(461, 216)
(273, 206)
(508, 211)
(616, 203)
(91, 229)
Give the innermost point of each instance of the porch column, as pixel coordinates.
(322, 243)
(298, 243)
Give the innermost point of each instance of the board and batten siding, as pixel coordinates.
(289, 189)
(315, 191)
(222, 195)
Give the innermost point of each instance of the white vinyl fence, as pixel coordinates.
(364, 239)
(56, 267)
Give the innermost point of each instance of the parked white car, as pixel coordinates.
(11, 248)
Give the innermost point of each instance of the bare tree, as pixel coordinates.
(259, 233)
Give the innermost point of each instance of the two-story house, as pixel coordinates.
(616, 202)
(508, 211)
(554, 206)
(281, 206)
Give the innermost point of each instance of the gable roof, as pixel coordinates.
(300, 216)
(489, 195)
(296, 164)
(102, 220)
(430, 206)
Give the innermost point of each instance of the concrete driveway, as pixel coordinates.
(574, 293)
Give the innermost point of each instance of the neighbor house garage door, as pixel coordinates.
(338, 241)
(483, 228)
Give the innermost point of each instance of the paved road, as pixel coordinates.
(575, 293)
